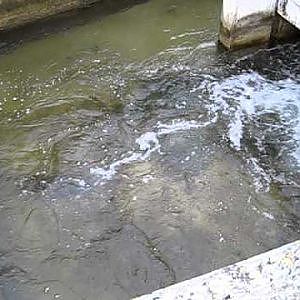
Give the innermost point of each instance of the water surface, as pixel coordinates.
(135, 154)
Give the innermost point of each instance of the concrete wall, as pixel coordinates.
(290, 10)
(246, 22)
(14, 13)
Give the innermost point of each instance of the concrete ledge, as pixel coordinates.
(14, 13)
(271, 275)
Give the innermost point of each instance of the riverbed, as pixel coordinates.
(136, 153)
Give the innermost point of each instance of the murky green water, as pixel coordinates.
(135, 154)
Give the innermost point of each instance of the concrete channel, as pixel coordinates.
(271, 275)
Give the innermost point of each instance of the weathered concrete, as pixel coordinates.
(248, 23)
(282, 30)
(271, 275)
(14, 13)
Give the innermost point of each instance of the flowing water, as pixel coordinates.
(135, 154)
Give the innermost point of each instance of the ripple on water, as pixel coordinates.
(148, 143)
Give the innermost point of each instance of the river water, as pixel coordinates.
(135, 154)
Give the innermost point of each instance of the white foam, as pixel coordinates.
(268, 215)
(147, 144)
(236, 130)
(261, 178)
(186, 34)
(246, 95)
(111, 170)
(243, 98)
(205, 45)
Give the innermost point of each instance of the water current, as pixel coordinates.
(135, 153)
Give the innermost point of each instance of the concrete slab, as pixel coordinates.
(272, 275)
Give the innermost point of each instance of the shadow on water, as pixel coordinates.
(65, 21)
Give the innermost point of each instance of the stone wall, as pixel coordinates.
(14, 13)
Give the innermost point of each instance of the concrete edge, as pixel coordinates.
(271, 275)
(33, 11)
